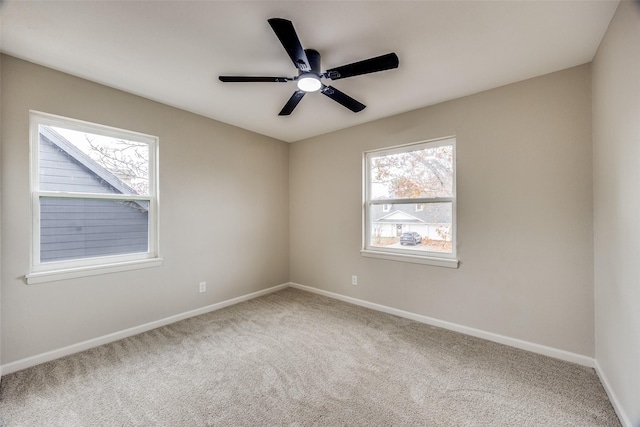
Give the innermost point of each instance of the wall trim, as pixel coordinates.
(617, 406)
(115, 336)
(490, 336)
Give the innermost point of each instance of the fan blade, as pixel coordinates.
(371, 65)
(241, 79)
(289, 39)
(292, 103)
(342, 98)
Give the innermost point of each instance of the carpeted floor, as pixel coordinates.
(296, 358)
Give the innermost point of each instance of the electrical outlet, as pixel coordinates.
(203, 286)
(354, 280)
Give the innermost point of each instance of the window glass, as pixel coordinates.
(433, 225)
(85, 228)
(78, 161)
(425, 172)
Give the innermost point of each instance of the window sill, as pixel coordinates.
(416, 259)
(72, 273)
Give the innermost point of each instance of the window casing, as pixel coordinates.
(94, 193)
(409, 206)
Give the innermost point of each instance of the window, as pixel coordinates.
(410, 203)
(94, 199)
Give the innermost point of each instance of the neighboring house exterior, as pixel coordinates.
(83, 228)
(430, 220)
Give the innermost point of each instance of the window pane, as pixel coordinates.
(84, 228)
(407, 175)
(405, 227)
(75, 161)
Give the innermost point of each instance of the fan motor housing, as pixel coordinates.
(313, 56)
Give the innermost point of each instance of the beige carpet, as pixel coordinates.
(296, 358)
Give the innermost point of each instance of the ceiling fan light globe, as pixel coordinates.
(309, 83)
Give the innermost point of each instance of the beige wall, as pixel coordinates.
(616, 142)
(224, 216)
(525, 238)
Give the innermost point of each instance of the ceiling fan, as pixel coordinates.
(309, 77)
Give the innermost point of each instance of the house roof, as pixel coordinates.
(399, 216)
(406, 213)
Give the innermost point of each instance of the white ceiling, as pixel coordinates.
(173, 51)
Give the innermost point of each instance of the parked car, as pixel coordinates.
(410, 238)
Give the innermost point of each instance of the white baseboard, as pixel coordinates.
(624, 419)
(490, 336)
(105, 339)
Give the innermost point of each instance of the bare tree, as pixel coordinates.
(128, 160)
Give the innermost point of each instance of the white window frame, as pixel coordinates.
(67, 269)
(399, 254)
